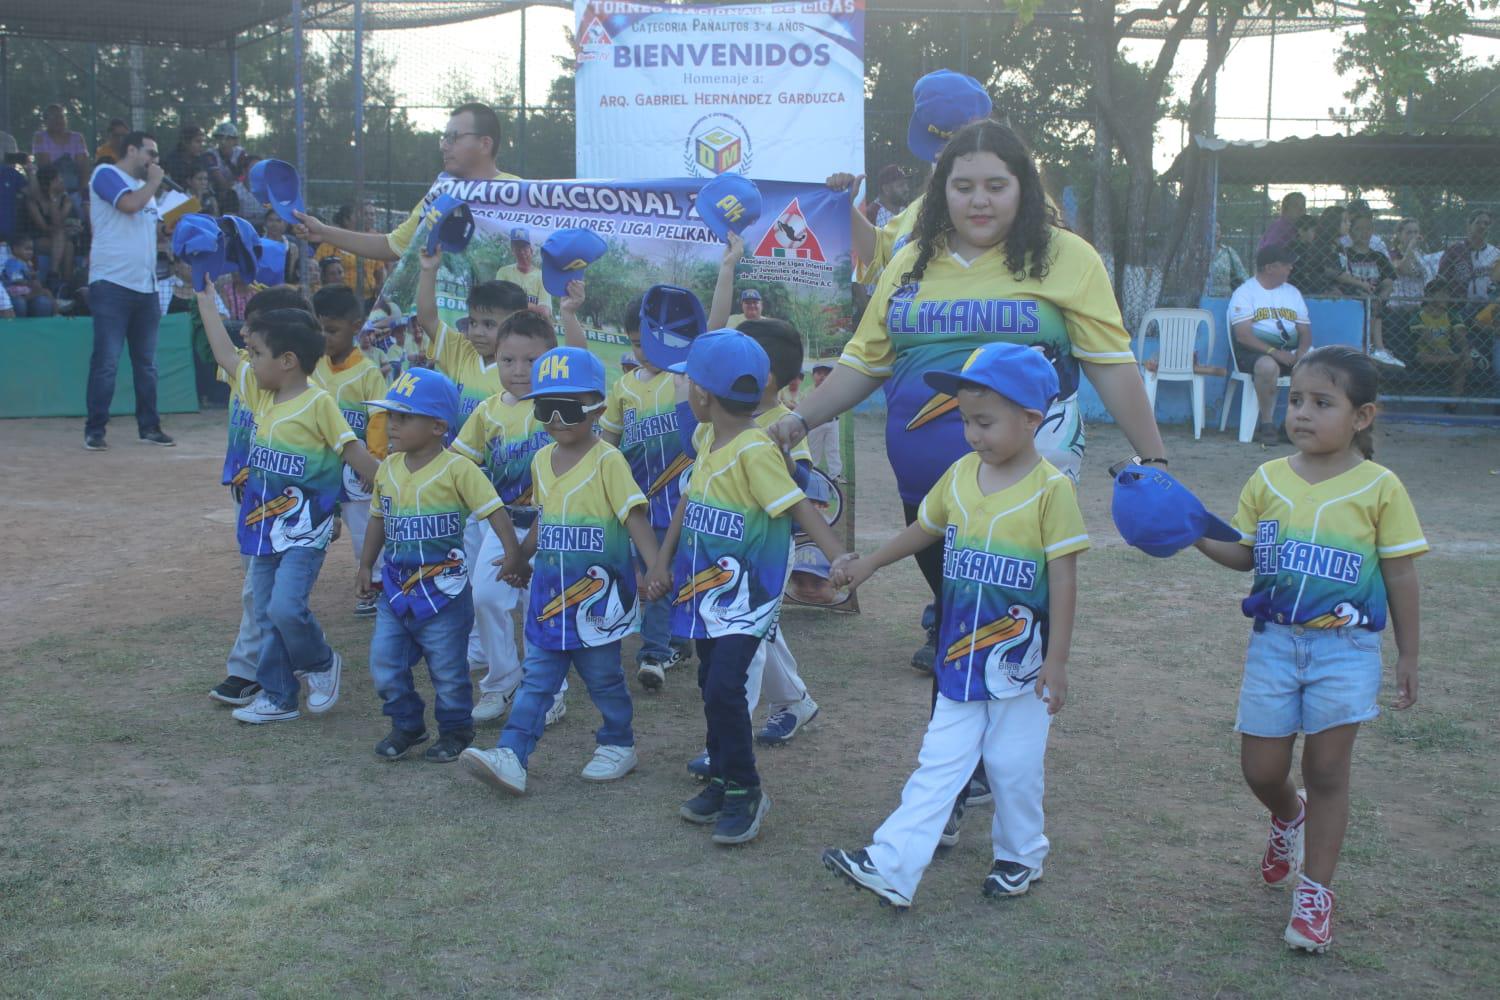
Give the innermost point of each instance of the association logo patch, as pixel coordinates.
(790, 236)
(717, 144)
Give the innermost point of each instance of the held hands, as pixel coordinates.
(309, 227)
(513, 571)
(1052, 685)
(1406, 684)
(363, 588)
(573, 300)
(849, 571)
(658, 583)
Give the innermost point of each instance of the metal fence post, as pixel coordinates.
(300, 123)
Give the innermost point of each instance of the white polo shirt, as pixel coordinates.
(124, 247)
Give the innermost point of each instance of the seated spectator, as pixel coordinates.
(372, 272)
(250, 206)
(331, 271)
(1283, 229)
(273, 227)
(225, 161)
(1226, 271)
(57, 146)
(1464, 270)
(109, 149)
(234, 292)
(199, 187)
(892, 195)
(1374, 276)
(54, 219)
(1441, 347)
(15, 185)
(1321, 264)
(7, 311)
(1360, 209)
(186, 157)
(27, 296)
(1269, 329)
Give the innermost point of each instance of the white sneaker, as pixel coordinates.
(493, 704)
(323, 687)
(1385, 357)
(499, 767)
(652, 674)
(610, 763)
(557, 711)
(263, 709)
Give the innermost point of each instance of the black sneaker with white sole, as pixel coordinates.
(398, 743)
(449, 745)
(739, 819)
(951, 828)
(94, 441)
(979, 790)
(235, 691)
(856, 868)
(1010, 878)
(158, 438)
(922, 659)
(704, 808)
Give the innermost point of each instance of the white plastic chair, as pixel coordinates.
(1177, 333)
(1249, 405)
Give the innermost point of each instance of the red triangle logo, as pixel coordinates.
(790, 236)
(594, 34)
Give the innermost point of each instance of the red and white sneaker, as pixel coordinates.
(1282, 862)
(1311, 926)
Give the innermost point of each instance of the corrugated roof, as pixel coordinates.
(1352, 160)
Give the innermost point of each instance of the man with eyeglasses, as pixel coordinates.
(1269, 330)
(122, 286)
(470, 145)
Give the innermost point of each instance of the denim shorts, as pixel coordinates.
(1308, 680)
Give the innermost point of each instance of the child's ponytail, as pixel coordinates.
(1354, 372)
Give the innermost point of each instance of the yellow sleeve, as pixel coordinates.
(450, 350)
(472, 436)
(703, 438)
(372, 386)
(800, 451)
(378, 489)
(1063, 532)
(932, 515)
(400, 238)
(1397, 531)
(613, 419)
(870, 351)
(332, 427)
(770, 485)
(1247, 518)
(895, 227)
(474, 488)
(1092, 316)
(248, 386)
(620, 489)
(228, 379)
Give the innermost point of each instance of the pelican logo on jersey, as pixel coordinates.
(277, 462)
(1016, 317)
(638, 429)
(713, 521)
(988, 568)
(570, 538)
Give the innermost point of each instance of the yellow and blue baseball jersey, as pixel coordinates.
(935, 324)
(241, 432)
(423, 514)
(583, 590)
(1318, 546)
(890, 238)
(730, 565)
(295, 468)
(503, 436)
(995, 553)
(401, 237)
(642, 409)
(455, 357)
(351, 384)
(530, 282)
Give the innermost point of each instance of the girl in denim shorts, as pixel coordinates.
(1330, 537)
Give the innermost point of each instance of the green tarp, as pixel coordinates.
(46, 368)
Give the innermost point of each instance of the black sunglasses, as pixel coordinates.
(565, 409)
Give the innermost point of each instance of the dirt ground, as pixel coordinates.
(153, 846)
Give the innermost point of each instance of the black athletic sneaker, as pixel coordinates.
(157, 437)
(921, 660)
(235, 691)
(449, 745)
(739, 820)
(94, 441)
(1010, 878)
(856, 868)
(398, 743)
(705, 807)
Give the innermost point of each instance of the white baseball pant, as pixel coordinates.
(357, 520)
(494, 621)
(474, 532)
(773, 668)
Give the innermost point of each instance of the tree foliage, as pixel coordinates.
(1401, 50)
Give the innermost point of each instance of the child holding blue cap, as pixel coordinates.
(583, 591)
(1011, 532)
(1330, 537)
(423, 496)
(731, 537)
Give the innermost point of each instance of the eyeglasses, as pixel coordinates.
(566, 410)
(449, 138)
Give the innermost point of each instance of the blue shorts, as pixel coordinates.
(1308, 680)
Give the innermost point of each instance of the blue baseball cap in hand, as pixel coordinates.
(719, 358)
(1022, 375)
(1160, 516)
(450, 224)
(240, 244)
(276, 183)
(944, 102)
(198, 240)
(729, 202)
(670, 318)
(566, 371)
(423, 392)
(566, 254)
(270, 265)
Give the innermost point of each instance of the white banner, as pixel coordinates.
(774, 91)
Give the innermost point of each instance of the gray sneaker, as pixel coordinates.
(323, 686)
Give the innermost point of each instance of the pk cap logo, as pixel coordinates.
(731, 207)
(555, 367)
(578, 264)
(406, 384)
(971, 359)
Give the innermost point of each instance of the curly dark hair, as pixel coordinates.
(1027, 242)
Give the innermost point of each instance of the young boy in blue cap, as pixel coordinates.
(423, 496)
(583, 592)
(1011, 531)
(731, 536)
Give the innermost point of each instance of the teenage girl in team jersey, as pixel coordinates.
(1331, 537)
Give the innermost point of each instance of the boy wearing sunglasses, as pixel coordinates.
(422, 497)
(583, 592)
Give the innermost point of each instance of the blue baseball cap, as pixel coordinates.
(750, 295)
(1022, 375)
(629, 361)
(450, 224)
(719, 358)
(566, 371)
(520, 234)
(198, 240)
(256, 180)
(670, 318)
(565, 254)
(270, 267)
(944, 102)
(729, 202)
(240, 244)
(279, 186)
(423, 392)
(1158, 515)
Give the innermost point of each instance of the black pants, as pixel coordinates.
(723, 664)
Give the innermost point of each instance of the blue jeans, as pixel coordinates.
(656, 623)
(33, 306)
(544, 671)
(400, 641)
(121, 317)
(291, 638)
(722, 666)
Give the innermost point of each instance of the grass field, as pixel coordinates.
(149, 846)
